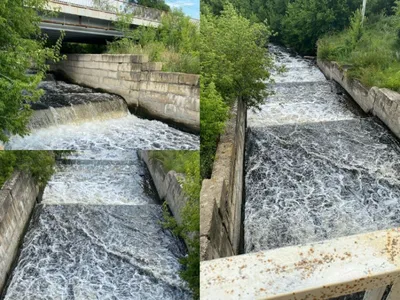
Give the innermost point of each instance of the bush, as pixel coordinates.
(22, 47)
(175, 43)
(214, 113)
(233, 56)
(234, 65)
(374, 57)
(39, 163)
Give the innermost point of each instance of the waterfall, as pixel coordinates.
(69, 116)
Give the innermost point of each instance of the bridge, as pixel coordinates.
(91, 21)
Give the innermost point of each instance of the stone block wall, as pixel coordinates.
(167, 96)
(380, 102)
(221, 196)
(17, 200)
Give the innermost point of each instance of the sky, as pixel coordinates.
(189, 7)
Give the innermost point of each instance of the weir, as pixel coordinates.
(69, 116)
(90, 236)
(317, 167)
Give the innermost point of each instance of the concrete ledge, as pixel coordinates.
(382, 103)
(222, 195)
(170, 97)
(78, 113)
(323, 270)
(17, 199)
(167, 185)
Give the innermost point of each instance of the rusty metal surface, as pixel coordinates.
(315, 271)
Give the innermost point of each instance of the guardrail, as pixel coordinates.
(117, 6)
(367, 262)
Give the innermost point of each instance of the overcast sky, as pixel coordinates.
(189, 7)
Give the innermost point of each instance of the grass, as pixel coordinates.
(172, 61)
(374, 58)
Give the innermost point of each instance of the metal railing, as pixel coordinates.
(117, 6)
(367, 262)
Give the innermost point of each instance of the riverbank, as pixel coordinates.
(372, 57)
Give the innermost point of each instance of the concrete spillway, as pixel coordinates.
(97, 235)
(72, 117)
(316, 167)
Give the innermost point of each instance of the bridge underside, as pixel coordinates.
(79, 33)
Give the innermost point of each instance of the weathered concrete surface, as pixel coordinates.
(321, 270)
(17, 199)
(222, 195)
(380, 102)
(167, 185)
(144, 16)
(170, 97)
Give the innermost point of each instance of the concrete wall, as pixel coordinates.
(222, 196)
(170, 97)
(168, 187)
(382, 103)
(17, 199)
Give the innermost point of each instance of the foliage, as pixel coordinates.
(39, 163)
(157, 4)
(21, 48)
(214, 112)
(233, 56)
(187, 163)
(234, 65)
(299, 23)
(175, 42)
(375, 58)
(306, 20)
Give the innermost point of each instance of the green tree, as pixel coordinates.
(234, 57)
(158, 4)
(306, 20)
(21, 48)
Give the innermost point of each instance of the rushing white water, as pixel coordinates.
(125, 133)
(316, 168)
(72, 117)
(97, 235)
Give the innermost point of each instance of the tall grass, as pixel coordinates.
(374, 58)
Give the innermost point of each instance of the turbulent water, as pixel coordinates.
(316, 167)
(72, 117)
(97, 235)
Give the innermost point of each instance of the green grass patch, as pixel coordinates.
(374, 58)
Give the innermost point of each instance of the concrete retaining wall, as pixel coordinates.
(222, 196)
(17, 200)
(168, 187)
(382, 103)
(170, 97)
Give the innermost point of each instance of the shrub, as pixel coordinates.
(39, 163)
(214, 113)
(374, 55)
(175, 43)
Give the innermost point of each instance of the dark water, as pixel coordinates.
(97, 235)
